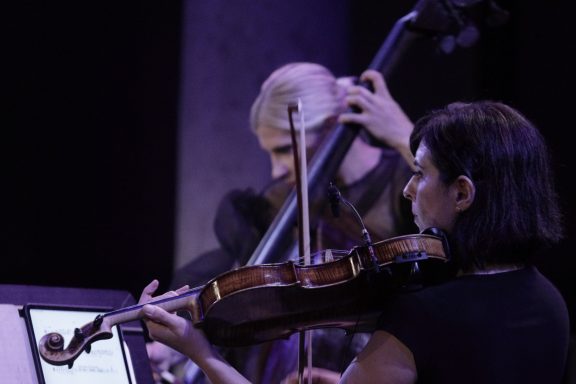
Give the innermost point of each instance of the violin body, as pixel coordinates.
(347, 293)
(254, 304)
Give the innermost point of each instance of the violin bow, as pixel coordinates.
(300, 170)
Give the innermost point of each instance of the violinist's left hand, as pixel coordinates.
(169, 328)
(181, 335)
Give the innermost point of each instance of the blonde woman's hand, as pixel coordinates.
(380, 114)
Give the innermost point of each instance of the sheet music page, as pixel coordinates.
(16, 362)
(105, 362)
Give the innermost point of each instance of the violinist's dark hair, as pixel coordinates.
(515, 210)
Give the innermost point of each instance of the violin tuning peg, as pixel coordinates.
(78, 334)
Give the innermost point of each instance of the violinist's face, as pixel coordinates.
(278, 144)
(433, 202)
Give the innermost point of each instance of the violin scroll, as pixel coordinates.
(51, 345)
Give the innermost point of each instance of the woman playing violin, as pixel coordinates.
(483, 176)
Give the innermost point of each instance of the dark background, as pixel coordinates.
(93, 98)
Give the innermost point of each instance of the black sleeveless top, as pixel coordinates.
(509, 327)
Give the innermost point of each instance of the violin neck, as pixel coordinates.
(185, 301)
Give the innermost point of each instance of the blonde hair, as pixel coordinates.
(321, 94)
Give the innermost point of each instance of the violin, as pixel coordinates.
(254, 304)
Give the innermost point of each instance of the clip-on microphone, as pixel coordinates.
(335, 197)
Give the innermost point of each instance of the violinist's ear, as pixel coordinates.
(465, 192)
